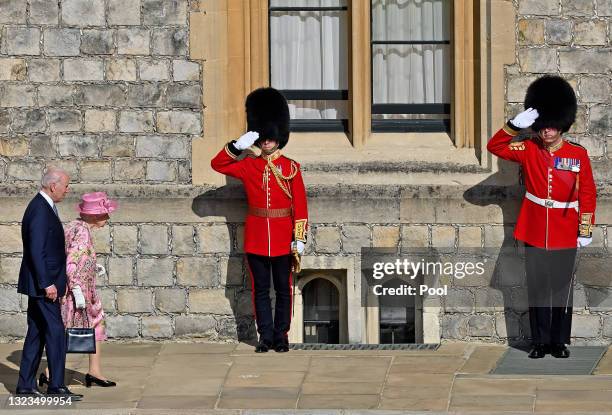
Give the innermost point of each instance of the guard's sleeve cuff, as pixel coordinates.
(511, 129)
(585, 229)
(300, 230)
(231, 150)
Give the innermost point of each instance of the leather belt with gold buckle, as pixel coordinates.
(269, 213)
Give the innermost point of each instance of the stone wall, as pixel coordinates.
(103, 88)
(106, 89)
(571, 38)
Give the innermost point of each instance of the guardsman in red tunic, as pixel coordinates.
(558, 210)
(277, 218)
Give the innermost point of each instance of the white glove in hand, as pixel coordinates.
(299, 246)
(79, 299)
(525, 118)
(582, 241)
(246, 140)
(100, 270)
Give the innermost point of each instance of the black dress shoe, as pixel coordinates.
(560, 351)
(262, 347)
(281, 348)
(63, 391)
(89, 380)
(42, 379)
(29, 392)
(538, 351)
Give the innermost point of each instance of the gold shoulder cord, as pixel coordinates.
(280, 179)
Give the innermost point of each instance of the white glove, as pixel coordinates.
(299, 246)
(100, 270)
(246, 140)
(525, 118)
(582, 241)
(79, 299)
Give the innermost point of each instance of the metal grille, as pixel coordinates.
(358, 346)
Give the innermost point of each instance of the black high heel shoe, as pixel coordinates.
(89, 380)
(42, 379)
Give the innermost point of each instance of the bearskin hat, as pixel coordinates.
(555, 101)
(268, 114)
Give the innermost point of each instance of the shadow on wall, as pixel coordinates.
(226, 206)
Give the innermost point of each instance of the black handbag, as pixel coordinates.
(80, 339)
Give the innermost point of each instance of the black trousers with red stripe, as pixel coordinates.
(550, 293)
(262, 270)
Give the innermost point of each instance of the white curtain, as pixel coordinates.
(411, 74)
(309, 50)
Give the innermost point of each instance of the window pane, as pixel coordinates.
(309, 58)
(318, 109)
(308, 3)
(308, 50)
(410, 20)
(411, 74)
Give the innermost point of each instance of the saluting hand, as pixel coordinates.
(525, 119)
(246, 140)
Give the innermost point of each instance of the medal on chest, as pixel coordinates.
(567, 164)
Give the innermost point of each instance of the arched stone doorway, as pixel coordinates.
(321, 312)
(320, 308)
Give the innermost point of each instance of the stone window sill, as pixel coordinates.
(389, 158)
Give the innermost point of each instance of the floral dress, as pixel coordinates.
(81, 271)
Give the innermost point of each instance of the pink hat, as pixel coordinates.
(96, 203)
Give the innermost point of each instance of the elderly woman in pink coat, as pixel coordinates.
(82, 306)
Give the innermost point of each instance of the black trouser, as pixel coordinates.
(45, 329)
(261, 268)
(550, 293)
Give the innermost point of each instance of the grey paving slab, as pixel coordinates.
(582, 361)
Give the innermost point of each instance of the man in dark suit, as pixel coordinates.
(43, 279)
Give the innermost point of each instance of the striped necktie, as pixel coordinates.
(55, 210)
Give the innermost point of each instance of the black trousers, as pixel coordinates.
(45, 330)
(550, 293)
(262, 270)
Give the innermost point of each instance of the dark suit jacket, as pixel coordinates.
(44, 250)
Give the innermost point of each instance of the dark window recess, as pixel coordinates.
(397, 317)
(321, 312)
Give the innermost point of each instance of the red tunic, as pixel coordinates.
(268, 236)
(548, 175)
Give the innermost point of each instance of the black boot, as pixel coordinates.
(262, 347)
(281, 346)
(538, 351)
(560, 351)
